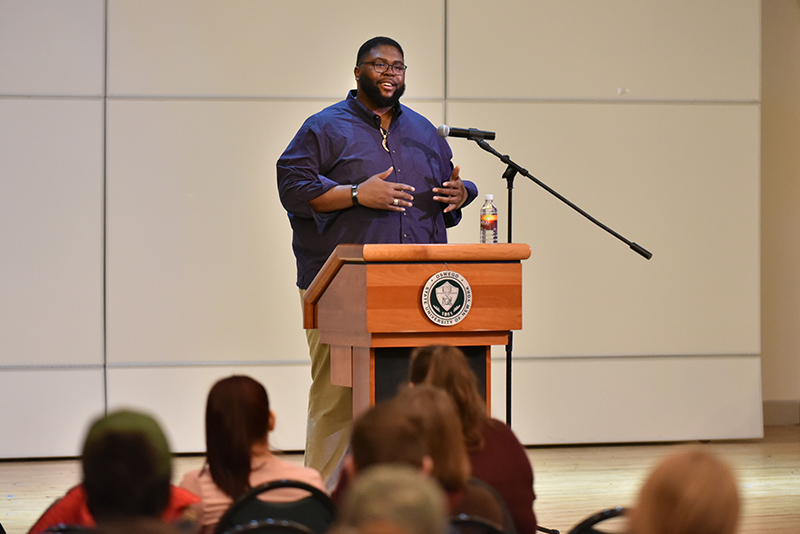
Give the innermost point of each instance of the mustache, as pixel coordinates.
(371, 89)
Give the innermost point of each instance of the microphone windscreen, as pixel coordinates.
(443, 130)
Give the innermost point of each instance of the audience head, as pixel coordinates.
(126, 465)
(446, 367)
(690, 492)
(442, 433)
(394, 499)
(388, 433)
(238, 419)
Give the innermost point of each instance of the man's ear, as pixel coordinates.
(427, 465)
(349, 467)
(271, 421)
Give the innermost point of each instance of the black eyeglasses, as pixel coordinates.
(381, 67)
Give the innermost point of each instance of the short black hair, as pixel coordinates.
(126, 467)
(121, 479)
(367, 47)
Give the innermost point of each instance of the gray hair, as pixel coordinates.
(394, 495)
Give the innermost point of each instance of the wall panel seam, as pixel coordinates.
(643, 357)
(160, 365)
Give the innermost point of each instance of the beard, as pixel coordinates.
(373, 92)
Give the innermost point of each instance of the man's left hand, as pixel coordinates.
(452, 192)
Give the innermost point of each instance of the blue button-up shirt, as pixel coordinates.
(341, 145)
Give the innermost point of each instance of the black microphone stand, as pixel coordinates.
(510, 173)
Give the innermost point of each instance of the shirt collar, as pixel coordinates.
(362, 111)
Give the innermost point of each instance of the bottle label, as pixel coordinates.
(489, 222)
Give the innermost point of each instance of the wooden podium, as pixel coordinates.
(367, 303)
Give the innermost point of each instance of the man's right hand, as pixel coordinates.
(375, 192)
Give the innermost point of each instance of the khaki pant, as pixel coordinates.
(330, 413)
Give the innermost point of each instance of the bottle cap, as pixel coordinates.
(489, 196)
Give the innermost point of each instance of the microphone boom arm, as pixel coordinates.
(511, 165)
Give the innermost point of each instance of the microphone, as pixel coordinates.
(469, 133)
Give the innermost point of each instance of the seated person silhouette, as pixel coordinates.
(238, 455)
(689, 492)
(496, 455)
(420, 428)
(126, 464)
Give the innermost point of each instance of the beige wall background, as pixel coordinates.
(145, 253)
(780, 220)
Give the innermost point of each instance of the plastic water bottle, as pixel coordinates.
(489, 221)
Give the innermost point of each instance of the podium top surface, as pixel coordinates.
(437, 252)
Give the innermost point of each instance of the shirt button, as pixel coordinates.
(405, 236)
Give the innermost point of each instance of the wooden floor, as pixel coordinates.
(571, 482)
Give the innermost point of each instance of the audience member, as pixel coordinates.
(238, 457)
(393, 499)
(689, 492)
(387, 433)
(496, 455)
(420, 428)
(442, 430)
(451, 465)
(126, 465)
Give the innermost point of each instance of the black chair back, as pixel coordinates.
(64, 528)
(470, 524)
(270, 526)
(588, 525)
(317, 512)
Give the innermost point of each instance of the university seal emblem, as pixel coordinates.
(446, 298)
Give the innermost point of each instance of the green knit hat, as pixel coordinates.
(135, 423)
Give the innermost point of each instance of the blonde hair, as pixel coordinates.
(690, 492)
(442, 429)
(446, 367)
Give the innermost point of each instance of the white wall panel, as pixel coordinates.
(583, 49)
(47, 412)
(433, 110)
(51, 231)
(264, 48)
(616, 400)
(177, 397)
(51, 47)
(200, 266)
(680, 180)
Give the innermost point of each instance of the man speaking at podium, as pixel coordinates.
(365, 170)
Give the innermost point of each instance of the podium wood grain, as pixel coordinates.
(443, 255)
(369, 297)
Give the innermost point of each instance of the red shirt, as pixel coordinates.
(71, 509)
